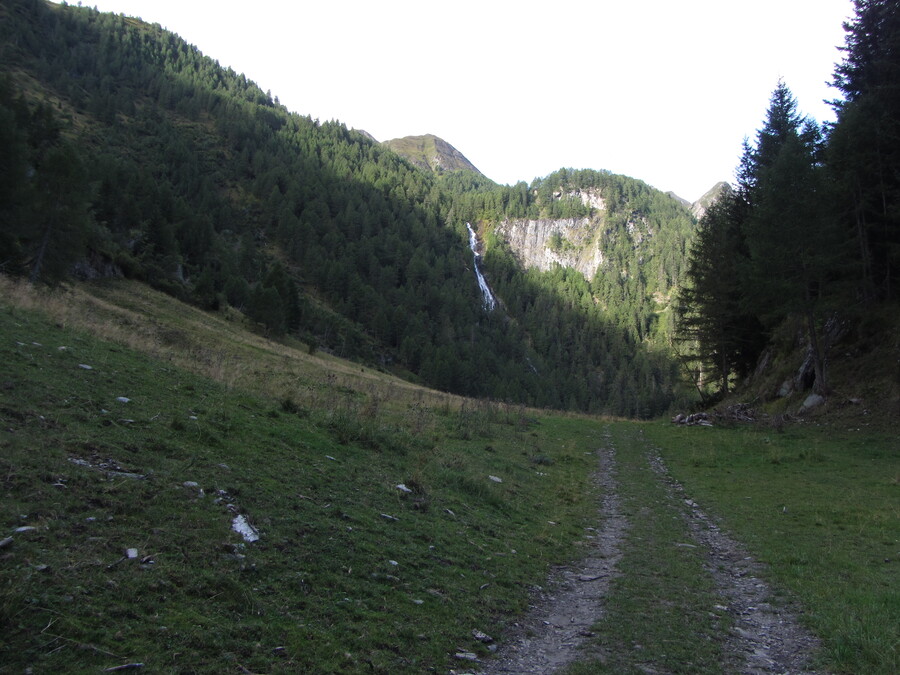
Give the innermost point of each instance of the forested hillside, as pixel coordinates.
(810, 237)
(600, 320)
(129, 152)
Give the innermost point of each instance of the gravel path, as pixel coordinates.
(562, 614)
(766, 637)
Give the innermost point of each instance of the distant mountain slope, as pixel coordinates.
(614, 229)
(625, 239)
(699, 207)
(679, 199)
(129, 152)
(585, 262)
(430, 152)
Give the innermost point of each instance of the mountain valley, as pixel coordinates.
(279, 397)
(182, 174)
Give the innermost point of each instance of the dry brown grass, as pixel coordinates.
(222, 346)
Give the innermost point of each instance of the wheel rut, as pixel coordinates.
(559, 622)
(765, 637)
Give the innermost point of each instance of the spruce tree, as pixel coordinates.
(713, 317)
(792, 239)
(864, 148)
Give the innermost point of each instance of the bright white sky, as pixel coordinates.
(661, 90)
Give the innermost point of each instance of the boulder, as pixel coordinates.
(813, 401)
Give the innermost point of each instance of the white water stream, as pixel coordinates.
(490, 302)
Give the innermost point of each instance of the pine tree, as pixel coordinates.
(864, 149)
(713, 316)
(792, 240)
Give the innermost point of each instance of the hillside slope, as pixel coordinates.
(431, 153)
(181, 493)
(177, 172)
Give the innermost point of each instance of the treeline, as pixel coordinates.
(126, 149)
(812, 228)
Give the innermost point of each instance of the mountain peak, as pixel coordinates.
(431, 153)
(699, 207)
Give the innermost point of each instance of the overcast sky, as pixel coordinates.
(661, 90)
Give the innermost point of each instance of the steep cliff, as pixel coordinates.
(580, 243)
(541, 243)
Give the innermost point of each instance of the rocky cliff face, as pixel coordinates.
(584, 244)
(571, 242)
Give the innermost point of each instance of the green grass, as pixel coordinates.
(822, 508)
(311, 449)
(331, 586)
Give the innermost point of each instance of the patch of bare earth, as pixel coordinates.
(562, 614)
(766, 637)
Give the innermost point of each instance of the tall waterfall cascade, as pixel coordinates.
(488, 299)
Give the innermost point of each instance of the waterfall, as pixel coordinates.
(489, 301)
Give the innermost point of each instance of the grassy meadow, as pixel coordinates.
(351, 572)
(136, 429)
(821, 507)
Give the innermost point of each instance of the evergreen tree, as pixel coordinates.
(712, 312)
(266, 307)
(792, 239)
(61, 215)
(45, 198)
(864, 149)
(13, 179)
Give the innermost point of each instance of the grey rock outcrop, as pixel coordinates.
(570, 242)
(813, 401)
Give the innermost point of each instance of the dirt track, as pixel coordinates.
(765, 638)
(562, 613)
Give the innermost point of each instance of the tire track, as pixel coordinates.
(765, 638)
(560, 619)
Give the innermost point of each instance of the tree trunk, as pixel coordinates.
(39, 258)
(865, 253)
(821, 384)
(726, 372)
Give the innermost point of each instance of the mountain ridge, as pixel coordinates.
(720, 189)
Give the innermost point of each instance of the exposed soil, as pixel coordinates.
(562, 614)
(766, 638)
